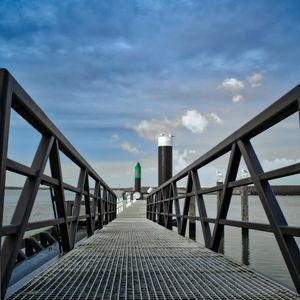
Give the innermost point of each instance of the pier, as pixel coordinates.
(135, 254)
(134, 258)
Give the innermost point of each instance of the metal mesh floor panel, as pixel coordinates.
(134, 258)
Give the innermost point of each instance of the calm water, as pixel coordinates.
(261, 251)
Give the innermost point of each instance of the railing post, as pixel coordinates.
(150, 202)
(59, 196)
(147, 208)
(154, 209)
(161, 198)
(219, 199)
(95, 202)
(115, 206)
(100, 208)
(170, 207)
(187, 200)
(233, 165)
(5, 108)
(87, 204)
(76, 208)
(201, 209)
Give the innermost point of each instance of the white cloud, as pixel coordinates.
(238, 98)
(215, 117)
(150, 129)
(194, 121)
(255, 79)
(233, 84)
(129, 148)
(182, 159)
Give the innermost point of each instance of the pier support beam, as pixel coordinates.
(245, 218)
(244, 205)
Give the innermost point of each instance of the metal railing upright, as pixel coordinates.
(124, 202)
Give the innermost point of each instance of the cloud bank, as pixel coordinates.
(233, 84)
(236, 86)
(150, 129)
(192, 120)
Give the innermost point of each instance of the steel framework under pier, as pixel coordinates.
(134, 258)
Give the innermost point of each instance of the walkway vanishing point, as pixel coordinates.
(134, 258)
(135, 255)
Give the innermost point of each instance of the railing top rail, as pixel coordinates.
(278, 111)
(33, 114)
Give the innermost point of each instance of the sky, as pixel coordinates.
(113, 75)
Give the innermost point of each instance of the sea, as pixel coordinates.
(259, 250)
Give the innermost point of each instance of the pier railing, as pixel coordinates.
(99, 201)
(160, 202)
(123, 203)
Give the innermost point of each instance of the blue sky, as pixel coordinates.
(112, 75)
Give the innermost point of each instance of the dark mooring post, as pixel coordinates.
(245, 218)
(165, 166)
(192, 223)
(219, 199)
(165, 158)
(244, 205)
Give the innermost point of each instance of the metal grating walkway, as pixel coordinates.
(134, 258)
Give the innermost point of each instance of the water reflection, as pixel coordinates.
(245, 247)
(245, 255)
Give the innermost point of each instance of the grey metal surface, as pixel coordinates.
(134, 258)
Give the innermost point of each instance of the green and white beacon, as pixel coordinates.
(137, 178)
